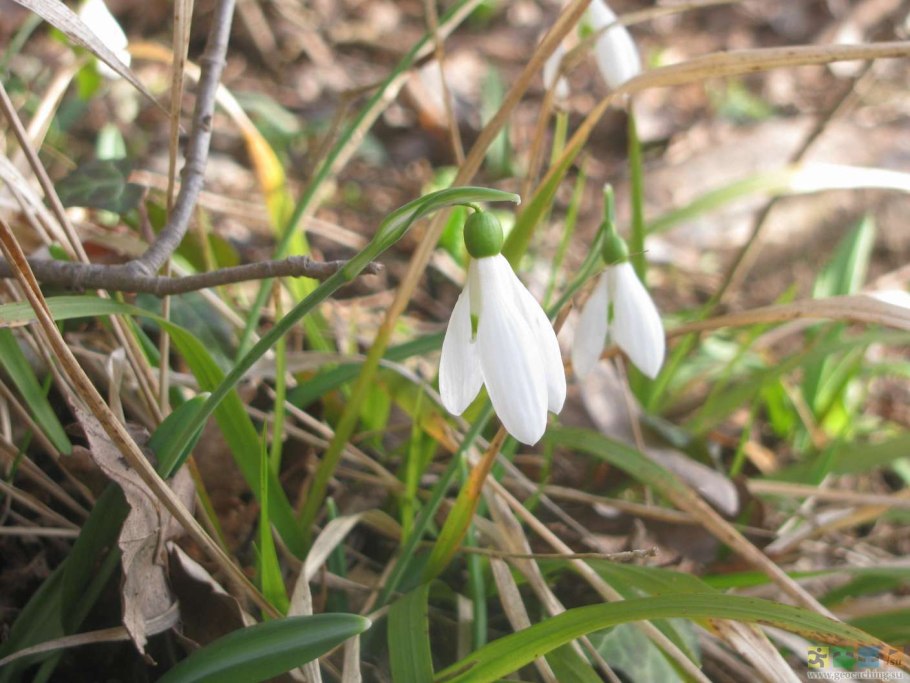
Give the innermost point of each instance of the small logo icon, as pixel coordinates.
(819, 657)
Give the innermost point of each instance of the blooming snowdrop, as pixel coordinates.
(96, 15)
(615, 51)
(499, 336)
(552, 79)
(621, 308)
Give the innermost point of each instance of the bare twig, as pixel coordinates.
(212, 64)
(123, 278)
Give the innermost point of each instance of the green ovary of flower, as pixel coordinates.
(614, 248)
(483, 235)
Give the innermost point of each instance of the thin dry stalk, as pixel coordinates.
(606, 591)
(85, 391)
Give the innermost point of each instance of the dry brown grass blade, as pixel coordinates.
(844, 496)
(723, 65)
(742, 62)
(183, 13)
(106, 635)
(9, 455)
(86, 391)
(74, 247)
(751, 643)
(860, 308)
(64, 19)
(35, 505)
(606, 591)
(512, 538)
(514, 607)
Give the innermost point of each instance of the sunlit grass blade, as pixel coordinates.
(409, 637)
(793, 179)
(266, 650)
(508, 654)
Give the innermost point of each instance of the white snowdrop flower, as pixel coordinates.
(615, 51)
(619, 308)
(552, 79)
(96, 15)
(500, 337)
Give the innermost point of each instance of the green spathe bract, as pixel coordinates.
(483, 235)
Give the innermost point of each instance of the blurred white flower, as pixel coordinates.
(96, 15)
(552, 79)
(621, 307)
(499, 336)
(615, 51)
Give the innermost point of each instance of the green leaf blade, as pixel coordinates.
(266, 650)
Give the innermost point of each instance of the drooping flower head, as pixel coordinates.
(615, 51)
(500, 337)
(619, 309)
(96, 15)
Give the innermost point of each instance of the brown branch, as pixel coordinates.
(211, 65)
(80, 276)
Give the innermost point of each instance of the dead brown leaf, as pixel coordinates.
(145, 592)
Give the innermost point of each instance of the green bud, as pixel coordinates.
(482, 234)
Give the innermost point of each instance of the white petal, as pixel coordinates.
(96, 15)
(509, 356)
(551, 74)
(459, 364)
(545, 339)
(636, 325)
(591, 330)
(615, 51)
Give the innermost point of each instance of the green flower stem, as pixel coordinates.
(392, 229)
(636, 183)
(389, 232)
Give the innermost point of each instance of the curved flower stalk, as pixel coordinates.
(615, 51)
(620, 309)
(96, 15)
(500, 337)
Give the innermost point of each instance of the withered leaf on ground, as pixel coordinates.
(145, 592)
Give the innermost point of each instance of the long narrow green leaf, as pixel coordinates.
(269, 567)
(637, 192)
(409, 637)
(20, 372)
(266, 650)
(508, 654)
